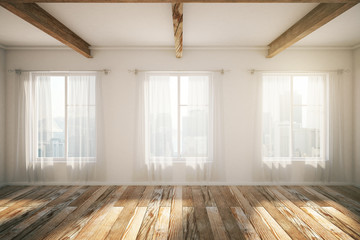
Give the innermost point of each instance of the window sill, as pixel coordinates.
(293, 159)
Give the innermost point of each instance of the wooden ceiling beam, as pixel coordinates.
(182, 1)
(316, 18)
(177, 14)
(34, 14)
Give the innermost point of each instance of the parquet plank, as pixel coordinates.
(190, 230)
(275, 213)
(71, 225)
(187, 196)
(96, 218)
(45, 224)
(133, 227)
(179, 212)
(261, 228)
(330, 203)
(338, 197)
(208, 198)
(274, 226)
(129, 200)
(349, 222)
(15, 195)
(326, 224)
(27, 222)
(347, 191)
(224, 200)
(267, 218)
(309, 203)
(162, 224)
(168, 193)
(146, 197)
(148, 224)
(175, 226)
(85, 195)
(244, 224)
(216, 223)
(104, 227)
(303, 216)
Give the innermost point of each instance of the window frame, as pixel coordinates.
(178, 75)
(37, 158)
(325, 108)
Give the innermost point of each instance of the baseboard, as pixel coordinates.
(181, 183)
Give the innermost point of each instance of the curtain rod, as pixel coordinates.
(19, 71)
(339, 71)
(136, 71)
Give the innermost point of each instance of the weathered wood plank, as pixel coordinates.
(168, 193)
(329, 202)
(303, 216)
(15, 195)
(146, 197)
(161, 229)
(244, 224)
(103, 229)
(305, 202)
(187, 197)
(73, 224)
(224, 200)
(326, 224)
(275, 213)
(108, 203)
(175, 226)
(129, 200)
(132, 229)
(216, 223)
(349, 222)
(190, 230)
(348, 192)
(148, 224)
(261, 228)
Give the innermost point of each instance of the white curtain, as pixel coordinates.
(179, 117)
(59, 127)
(301, 133)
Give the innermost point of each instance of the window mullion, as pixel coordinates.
(66, 118)
(179, 106)
(291, 117)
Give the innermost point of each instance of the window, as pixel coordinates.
(64, 116)
(177, 113)
(294, 116)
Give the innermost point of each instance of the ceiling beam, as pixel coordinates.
(182, 1)
(316, 18)
(177, 14)
(32, 13)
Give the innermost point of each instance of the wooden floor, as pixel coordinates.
(179, 212)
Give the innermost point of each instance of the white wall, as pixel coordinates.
(356, 70)
(120, 88)
(2, 116)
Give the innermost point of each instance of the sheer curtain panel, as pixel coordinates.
(177, 125)
(59, 127)
(300, 135)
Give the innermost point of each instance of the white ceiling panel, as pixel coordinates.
(126, 24)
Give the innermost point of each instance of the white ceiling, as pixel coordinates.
(249, 25)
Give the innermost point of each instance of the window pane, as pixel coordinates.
(163, 116)
(307, 124)
(276, 115)
(308, 90)
(194, 90)
(50, 100)
(81, 90)
(194, 131)
(81, 131)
